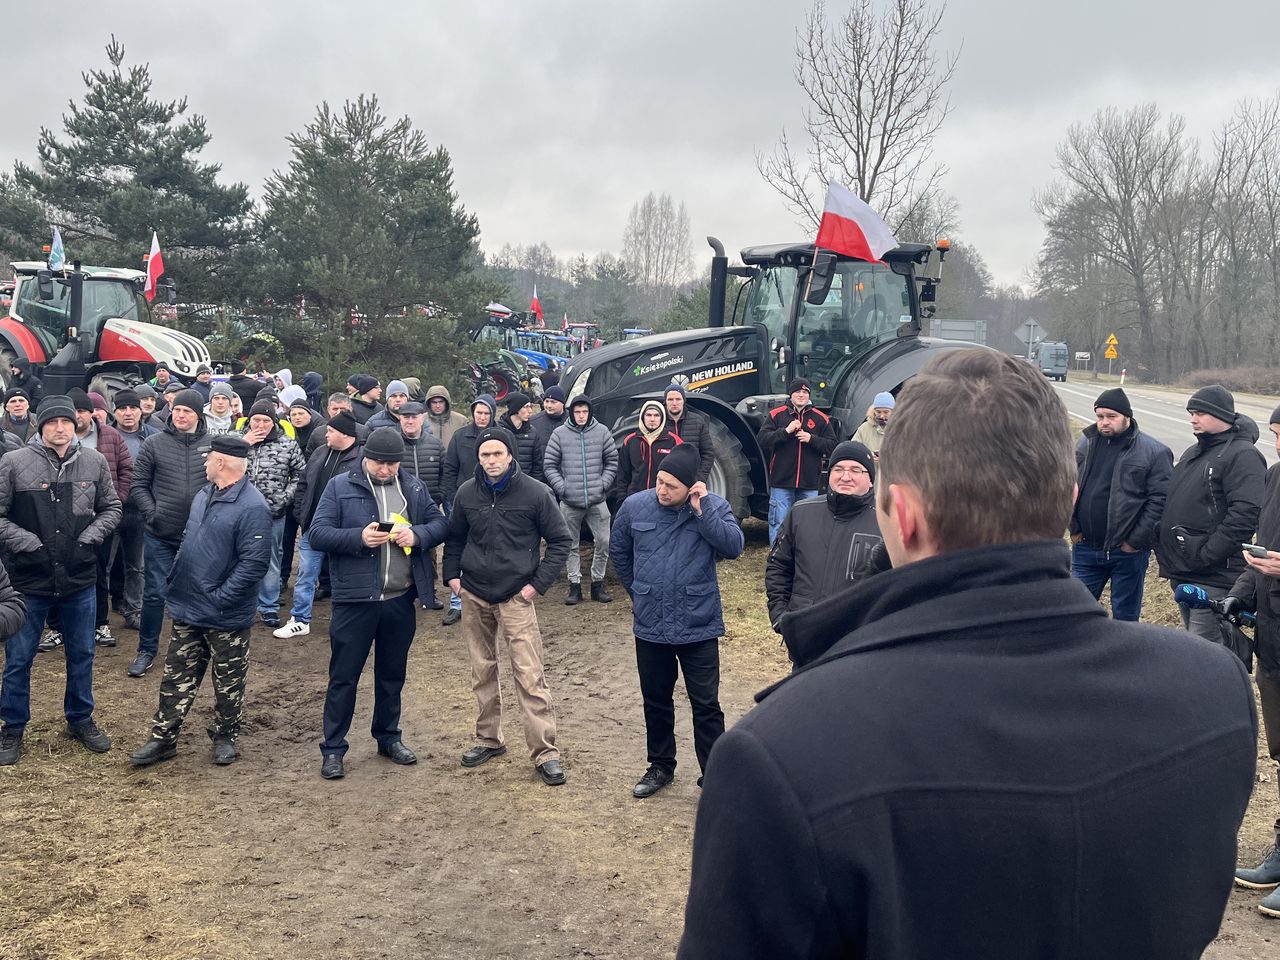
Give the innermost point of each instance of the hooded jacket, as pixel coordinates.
(225, 552)
(978, 716)
(1215, 496)
(581, 463)
(53, 515)
(1139, 483)
(819, 551)
(313, 385)
(460, 459)
(666, 559)
(449, 423)
(794, 465)
(275, 467)
(495, 537)
(285, 376)
(346, 507)
(27, 380)
(415, 389)
(640, 456)
(167, 475)
(529, 446)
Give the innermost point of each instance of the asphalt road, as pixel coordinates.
(1163, 413)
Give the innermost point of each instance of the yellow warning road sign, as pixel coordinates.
(1112, 341)
(1111, 353)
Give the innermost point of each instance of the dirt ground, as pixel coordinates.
(265, 859)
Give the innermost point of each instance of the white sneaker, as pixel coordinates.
(292, 628)
(103, 638)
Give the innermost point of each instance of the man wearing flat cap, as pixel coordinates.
(213, 593)
(378, 524)
(1123, 478)
(493, 560)
(795, 438)
(665, 545)
(1215, 497)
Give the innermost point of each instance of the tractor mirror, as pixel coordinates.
(170, 291)
(821, 274)
(44, 284)
(928, 292)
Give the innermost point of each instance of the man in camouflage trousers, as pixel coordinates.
(226, 549)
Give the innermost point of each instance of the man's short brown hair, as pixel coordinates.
(987, 443)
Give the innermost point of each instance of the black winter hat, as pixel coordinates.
(17, 392)
(682, 463)
(516, 400)
(231, 444)
(363, 382)
(853, 450)
(191, 399)
(501, 434)
(237, 366)
(555, 393)
(263, 408)
(385, 445)
(53, 407)
(1216, 400)
(1275, 415)
(80, 400)
(343, 422)
(799, 383)
(127, 398)
(1114, 399)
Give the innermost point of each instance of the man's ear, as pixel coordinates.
(911, 524)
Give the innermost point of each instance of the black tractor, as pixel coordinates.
(850, 327)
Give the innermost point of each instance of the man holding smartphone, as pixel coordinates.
(379, 567)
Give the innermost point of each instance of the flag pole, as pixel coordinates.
(809, 283)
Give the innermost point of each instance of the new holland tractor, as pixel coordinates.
(851, 327)
(86, 324)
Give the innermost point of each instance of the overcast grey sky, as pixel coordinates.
(559, 115)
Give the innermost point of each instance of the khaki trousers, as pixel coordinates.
(519, 623)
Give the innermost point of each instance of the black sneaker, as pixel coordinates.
(654, 779)
(51, 640)
(10, 747)
(141, 664)
(452, 617)
(89, 734)
(270, 619)
(102, 636)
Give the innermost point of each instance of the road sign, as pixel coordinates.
(1112, 341)
(1111, 353)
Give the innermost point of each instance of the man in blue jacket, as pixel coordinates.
(378, 524)
(225, 552)
(665, 545)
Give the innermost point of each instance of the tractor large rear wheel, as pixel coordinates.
(730, 471)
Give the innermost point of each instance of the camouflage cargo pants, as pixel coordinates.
(192, 650)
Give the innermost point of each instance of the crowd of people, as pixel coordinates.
(929, 604)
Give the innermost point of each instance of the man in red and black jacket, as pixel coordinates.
(643, 449)
(795, 438)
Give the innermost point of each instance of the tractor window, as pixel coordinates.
(867, 304)
(769, 304)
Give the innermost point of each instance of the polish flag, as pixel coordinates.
(564, 327)
(851, 227)
(155, 268)
(535, 307)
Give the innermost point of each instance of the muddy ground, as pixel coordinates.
(265, 859)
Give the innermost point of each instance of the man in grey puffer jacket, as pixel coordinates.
(275, 466)
(580, 465)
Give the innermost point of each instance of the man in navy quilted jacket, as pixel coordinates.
(665, 545)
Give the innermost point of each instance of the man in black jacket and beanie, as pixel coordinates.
(979, 717)
(1123, 477)
(795, 438)
(167, 475)
(493, 560)
(825, 544)
(1214, 499)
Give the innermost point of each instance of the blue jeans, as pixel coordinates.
(77, 611)
(304, 586)
(157, 564)
(269, 592)
(780, 501)
(455, 601)
(1126, 571)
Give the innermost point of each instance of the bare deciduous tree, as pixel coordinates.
(877, 98)
(655, 248)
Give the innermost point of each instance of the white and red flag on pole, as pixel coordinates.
(155, 268)
(564, 327)
(851, 227)
(535, 307)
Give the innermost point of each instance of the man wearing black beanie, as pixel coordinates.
(824, 545)
(1215, 496)
(1123, 477)
(665, 545)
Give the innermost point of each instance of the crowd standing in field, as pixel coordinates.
(925, 617)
